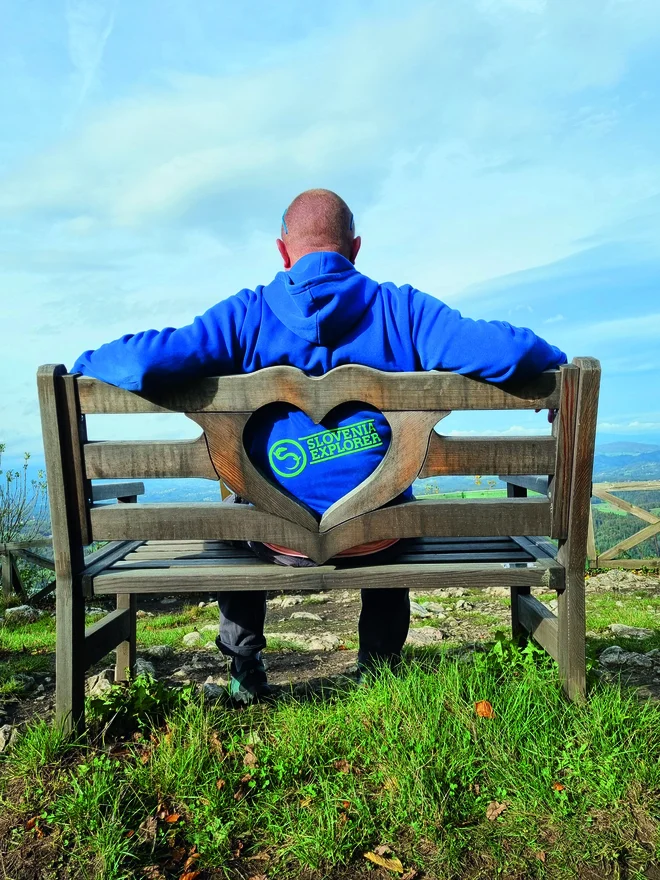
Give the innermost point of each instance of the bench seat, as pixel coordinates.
(423, 563)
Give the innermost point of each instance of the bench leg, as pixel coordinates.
(518, 631)
(70, 657)
(125, 663)
(571, 642)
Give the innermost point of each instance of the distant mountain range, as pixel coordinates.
(626, 461)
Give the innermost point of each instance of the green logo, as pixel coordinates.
(290, 457)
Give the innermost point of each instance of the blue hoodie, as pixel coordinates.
(320, 314)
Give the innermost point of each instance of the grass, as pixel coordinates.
(298, 790)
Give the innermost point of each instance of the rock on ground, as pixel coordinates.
(305, 615)
(424, 635)
(8, 735)
(23, 614)
(213, 691)
(621, 581)
(144, 667)
(100, 683)
(616, 657)
(630, 632)
(191, 638)
(316, 642)
(417, 610)
(158, 652)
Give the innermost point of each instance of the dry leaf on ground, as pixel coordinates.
(557, 786)
(495, 809)
(147, 830)
(392, 864)
(220, 784)
(305, 802)
(190, 875)
(484, 709)
(250, 759)
(343, 766)
(540, 856)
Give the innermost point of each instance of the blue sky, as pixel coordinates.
(500, 154)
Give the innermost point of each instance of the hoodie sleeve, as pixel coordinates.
(210, 345)
(491, 350)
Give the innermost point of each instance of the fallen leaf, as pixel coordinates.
(410, 875)
(144, 757)
(250, 759)
(190, 861)
(216, 744)
(190, 875)
(345, 804)
(495, 809)
(383, 849)
(392, 864)
(29, 825)
(147, 830)
(220, 784)
(343, 766)
(484, 709)
(239, 849)
(172, 818)
(130, 833)
(305, 802)
(153, 872)
(557, 786)
(540, 856)
(391, 783)
(343, 818)
(177, 854)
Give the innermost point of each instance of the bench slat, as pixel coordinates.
(239, 522)
(318, 395)
(449, 456)
(425, 576)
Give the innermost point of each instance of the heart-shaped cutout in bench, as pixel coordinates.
(327, 439)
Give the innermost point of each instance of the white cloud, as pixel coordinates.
(89, 23)
(554, 320)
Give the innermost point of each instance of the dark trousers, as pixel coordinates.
(382, 627)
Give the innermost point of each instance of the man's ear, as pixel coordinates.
(284, 253)
(355, 247)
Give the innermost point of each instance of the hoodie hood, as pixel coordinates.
(321, 298)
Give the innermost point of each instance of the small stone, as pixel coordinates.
(99, 684)
(462, 605)
(417, 610)
(617, 657)
(144, 667)
(318, 598)
(210, 628)
(502, 592)
(169, 600)
(630, 632)
(305, 615)
(24, 680)
(290, 601)
(435, 608)
(8, 736)
(22, 614)
(213, 691)
(191, 638)
(619, 604)
(424, 635)
(317, 642)
(96, 611)
(211, 647)
(216, 679)
(141, 614)
(158, 652)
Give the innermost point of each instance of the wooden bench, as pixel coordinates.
(184, 547)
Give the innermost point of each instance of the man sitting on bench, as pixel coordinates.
(319, 313)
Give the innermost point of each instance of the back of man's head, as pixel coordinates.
(317, 220)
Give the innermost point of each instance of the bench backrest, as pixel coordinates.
(413, 404)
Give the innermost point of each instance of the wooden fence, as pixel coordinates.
(611, 558)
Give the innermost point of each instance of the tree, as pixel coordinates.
(23, 502)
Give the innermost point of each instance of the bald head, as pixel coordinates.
(317, 220)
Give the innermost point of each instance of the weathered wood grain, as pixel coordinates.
(104, 635)
(67, 547)
(416, 577)
(318, 395)
(395, 473)
(240, 522)
(143, 459)
(126, 648)
(448, 456)
(539, 622)
(572, 552)
(563, 429)
(224, 435)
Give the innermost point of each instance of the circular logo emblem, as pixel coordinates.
(287, 458)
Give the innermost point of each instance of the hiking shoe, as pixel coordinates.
(250, 684)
